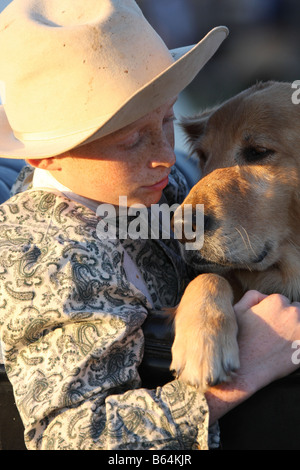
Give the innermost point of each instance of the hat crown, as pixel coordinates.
(61, 13)
(75, 62)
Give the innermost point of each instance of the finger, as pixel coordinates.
(249, 300)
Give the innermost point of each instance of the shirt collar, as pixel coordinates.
(42, 179)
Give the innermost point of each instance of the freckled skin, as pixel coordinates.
(125, 163)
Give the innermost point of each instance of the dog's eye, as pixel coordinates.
(253, 154)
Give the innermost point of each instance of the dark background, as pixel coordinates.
(263, 44)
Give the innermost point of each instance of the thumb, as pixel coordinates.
(249, 300)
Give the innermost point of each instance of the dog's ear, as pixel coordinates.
(194, 126)
(259, 85)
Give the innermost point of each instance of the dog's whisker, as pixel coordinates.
(292, 243)
(248, 239)
(242, 237)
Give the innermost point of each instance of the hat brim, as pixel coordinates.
(188, 61)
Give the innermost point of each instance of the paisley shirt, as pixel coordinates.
(71, 321)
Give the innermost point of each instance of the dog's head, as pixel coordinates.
(249, 152)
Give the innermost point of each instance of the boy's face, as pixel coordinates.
(134, 162)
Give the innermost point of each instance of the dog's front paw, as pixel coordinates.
(205, 350)
(204, 358)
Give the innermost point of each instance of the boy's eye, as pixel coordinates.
(134, 144)
(131, 141)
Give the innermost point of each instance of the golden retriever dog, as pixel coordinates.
(249, 152)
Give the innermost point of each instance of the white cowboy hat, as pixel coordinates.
(72, 71)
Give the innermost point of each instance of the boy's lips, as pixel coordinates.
(159, 185)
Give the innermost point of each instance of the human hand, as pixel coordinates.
(268, 325)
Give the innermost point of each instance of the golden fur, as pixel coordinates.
(249, 152)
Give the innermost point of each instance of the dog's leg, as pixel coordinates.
(205, 349)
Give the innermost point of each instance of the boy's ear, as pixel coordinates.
(50, 164)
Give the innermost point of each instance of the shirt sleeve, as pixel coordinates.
(71, 327)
